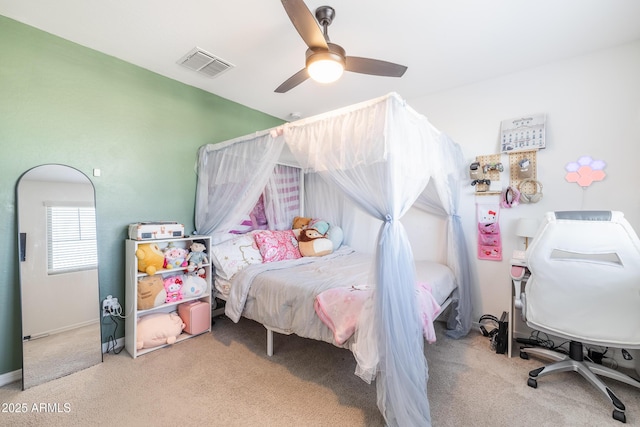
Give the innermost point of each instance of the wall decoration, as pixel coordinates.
(523, 134)
(523, 166)
(488, 175)
(585, 171)
(489, 240)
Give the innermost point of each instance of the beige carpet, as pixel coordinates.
(226, 379)
(47, 358)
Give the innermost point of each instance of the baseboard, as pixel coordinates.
(10, 377)
(119, 345)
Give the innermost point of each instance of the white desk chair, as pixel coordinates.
(584, 287)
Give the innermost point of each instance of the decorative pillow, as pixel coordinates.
(234, 255)
(312, 243)
(245, 226)
(256, 220)
(277, 245)
(258, 215)
(336, 235)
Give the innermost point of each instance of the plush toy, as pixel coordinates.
(150, 258)
(151, 292)
(173, 287)
(336, 235)
(193, 286)
(197, 256)
(175, 257)
(319, 224)
(300, 222)
(158, 329)
(312, 243)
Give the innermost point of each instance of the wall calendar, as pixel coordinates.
(523, 134)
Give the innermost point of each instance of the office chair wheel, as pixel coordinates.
(524, 355)
(533, 383)
(619, 416)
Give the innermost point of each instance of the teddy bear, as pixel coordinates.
(158, 329)
(150, 258)
(312, 243)
(300, 222)
(173, 287)
(197, 256)
(175, 257)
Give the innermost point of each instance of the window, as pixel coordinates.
(71, 238)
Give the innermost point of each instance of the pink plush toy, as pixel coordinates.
(175, 257)
(158, 329)
(173, 287)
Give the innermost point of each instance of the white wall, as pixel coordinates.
(592, 104)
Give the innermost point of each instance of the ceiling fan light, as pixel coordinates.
(325, 68)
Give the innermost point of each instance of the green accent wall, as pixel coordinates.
(82, 108)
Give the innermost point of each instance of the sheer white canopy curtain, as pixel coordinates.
(381, 155)
(441, 197)
(231, 177)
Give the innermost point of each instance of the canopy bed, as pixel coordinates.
(378, 158)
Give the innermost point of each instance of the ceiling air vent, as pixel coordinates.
(204, 63)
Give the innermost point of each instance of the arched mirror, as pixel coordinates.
(58, 273)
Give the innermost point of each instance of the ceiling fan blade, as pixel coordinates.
(293, 81)
(305, 23)
(374, 67)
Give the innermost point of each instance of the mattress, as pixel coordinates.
(438, 276)
(282, 296)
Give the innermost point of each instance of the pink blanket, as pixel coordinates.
(339, 309)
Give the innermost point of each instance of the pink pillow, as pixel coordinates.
(277, 245)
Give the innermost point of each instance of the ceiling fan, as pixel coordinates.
(325, 61)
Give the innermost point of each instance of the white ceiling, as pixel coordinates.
(445, 43)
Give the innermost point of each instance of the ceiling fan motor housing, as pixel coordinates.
(335, 53)
(325, 15)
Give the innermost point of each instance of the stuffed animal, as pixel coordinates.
(300, 222)
(173, 287)
(319, 224)
(158, 329)
(197, 256)
(193, 286)
(150, 258)
(312, 243)
(175, 257)
(151, 292)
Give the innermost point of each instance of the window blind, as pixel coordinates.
(71, 239)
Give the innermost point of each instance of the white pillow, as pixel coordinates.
(234, 255)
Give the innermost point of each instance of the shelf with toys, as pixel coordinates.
(168, 291)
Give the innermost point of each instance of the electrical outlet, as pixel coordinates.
(108, 305)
